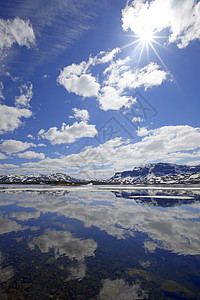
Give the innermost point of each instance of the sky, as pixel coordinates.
(89, 88)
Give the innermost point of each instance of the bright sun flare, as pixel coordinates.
(146, 38)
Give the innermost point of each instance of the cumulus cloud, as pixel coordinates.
(118, 79)
(75, 80)
(16, 31)
(142, 131)
(68, 134)
(13, 146)
(11, 117)
(181, 18)
(112, 98)
(167, 144)
(31, 155)
(78, 79)
(26, 94)
(30, 136)
(122, 76)
(81, 114)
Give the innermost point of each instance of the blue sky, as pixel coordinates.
(89, 87)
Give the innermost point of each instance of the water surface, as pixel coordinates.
(99, 243)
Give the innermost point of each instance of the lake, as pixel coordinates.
(99, 242)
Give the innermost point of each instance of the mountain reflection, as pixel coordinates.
(167, 198)
(109, 244)
(170, 223)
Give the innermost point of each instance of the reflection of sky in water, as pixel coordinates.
(80, 225)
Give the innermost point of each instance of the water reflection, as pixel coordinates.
(7, 226)
(119, 289)
(117, 239)
(167, 198)
(7, 272)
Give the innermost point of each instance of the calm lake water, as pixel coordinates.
(99, 243)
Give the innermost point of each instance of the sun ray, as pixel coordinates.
(146, 39)
(130, 44)
(154, 41)
(141, 51)
(147, 48)
(155, 51)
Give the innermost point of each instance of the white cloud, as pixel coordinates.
(122, 76)
(165, 144)
(78, 78)
(13, 146)
(68, 134)
(8, 166)
(16, 31)
(30, 136)
(82, 114)
(31, 155)
(104, 57)
(181, 18)
(111, 98)
(26, 94)
(75, 80)
(13, 78)
(193, 163)
(137, 119)
(119, 78)
(142, 131)
(10, 117)
(2, 156)
(1, 90)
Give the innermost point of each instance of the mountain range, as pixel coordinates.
(52, 178)
(158, 173)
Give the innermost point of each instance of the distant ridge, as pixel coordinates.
(52, 178)
(158, 173)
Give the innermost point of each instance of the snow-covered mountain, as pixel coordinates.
(158, 173)
(52, 178)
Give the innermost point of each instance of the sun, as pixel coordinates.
(146, 36)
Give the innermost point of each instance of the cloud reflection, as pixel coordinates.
(169, 228)
(120, 290)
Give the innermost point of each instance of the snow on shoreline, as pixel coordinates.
(92, 188)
